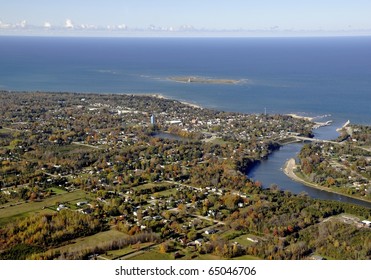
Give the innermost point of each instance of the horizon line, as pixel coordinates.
(194, 36)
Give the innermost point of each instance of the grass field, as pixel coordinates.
(115, 254)
(247, 257)
(230, 234)
(243, 239)
(91, 241)
(57, 191)
(69, 149)
(219, 141)
(151, 185)
(6, 132)
(11, 212)
(153, 255)
(166, 193)
(208, 257)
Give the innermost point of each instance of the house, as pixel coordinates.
(211, 231)
(366, 223)
(61, 207)
(81, 203)
(199, 241)
(86, 211)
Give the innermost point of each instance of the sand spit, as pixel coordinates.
(203, 80)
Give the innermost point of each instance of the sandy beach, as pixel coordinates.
(311, 119)
(203, 80)
(160, 96)
(295, 116)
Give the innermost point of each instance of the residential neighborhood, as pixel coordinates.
(96, 176)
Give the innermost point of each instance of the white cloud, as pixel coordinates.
(117, 27)
(23, 24)
(187, 28)
(47, 24)
(69, 24)
(122, 26)
(4, 25)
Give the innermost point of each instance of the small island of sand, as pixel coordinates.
(203, 80)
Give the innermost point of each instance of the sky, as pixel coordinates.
(171, 16)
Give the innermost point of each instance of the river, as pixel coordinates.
(270, 171)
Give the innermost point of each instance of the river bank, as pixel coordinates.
(289, 168)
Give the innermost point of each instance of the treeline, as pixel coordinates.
(215, 246)
(84, 252)
(338, 240)
(286, 223)
(48, 230)
(281, 213)
(342, 167)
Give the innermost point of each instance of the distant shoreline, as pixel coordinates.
(160, 96)
(289, 171)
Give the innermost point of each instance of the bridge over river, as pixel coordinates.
(302, 138)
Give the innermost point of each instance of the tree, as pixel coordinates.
(164, 247)
(192, 234)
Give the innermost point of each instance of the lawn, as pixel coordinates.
(243, 239)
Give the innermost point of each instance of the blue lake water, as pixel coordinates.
(308, 76)
(314, 76)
